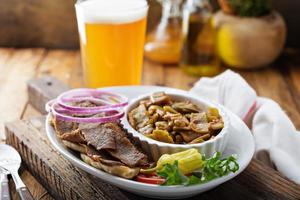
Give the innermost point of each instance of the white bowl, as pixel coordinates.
(156, 148)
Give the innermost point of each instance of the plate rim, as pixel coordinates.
(115, 180)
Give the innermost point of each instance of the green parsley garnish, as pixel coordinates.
(213, 168)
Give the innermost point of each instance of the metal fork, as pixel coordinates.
(4, 187)
(11, 160)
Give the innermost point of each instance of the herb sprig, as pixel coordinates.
(213, 168)
(251, 8)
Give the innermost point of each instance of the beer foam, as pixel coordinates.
(108, 12)
(112, 11)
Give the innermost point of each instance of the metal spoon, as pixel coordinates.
(11, 161)
(4, 187)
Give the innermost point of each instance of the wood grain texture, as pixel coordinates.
(64, 65)
(270, 83)
(34, 186)
(153, 74)
(175, 77)
(32, 23)
(40, 91)
(59, 176)
(290, 71)
(281, 82)
(15, 72)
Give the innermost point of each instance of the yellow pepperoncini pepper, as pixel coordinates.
(161, 135)
(188, 161)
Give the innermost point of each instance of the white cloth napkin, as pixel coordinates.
(276, 139)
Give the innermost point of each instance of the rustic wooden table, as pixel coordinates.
(280, 82)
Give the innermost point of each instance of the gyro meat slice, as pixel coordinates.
(84, 104)
(185, 107)
(129, 154)
(61, 127)
(199, 122)
(74, 136)
(160, 98)
(115, 169)
(101, 156)
(125, 151)
(100, 136)
(82, 148)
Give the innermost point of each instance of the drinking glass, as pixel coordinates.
(112, 34)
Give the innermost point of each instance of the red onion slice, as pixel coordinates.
(110, 105)
(94, 95)
(63, 110)
(49, 105)
(62, 114)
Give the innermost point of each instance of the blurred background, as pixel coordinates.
(52, 23)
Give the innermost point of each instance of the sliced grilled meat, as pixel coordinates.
(74, 136)
(99, 136)
(125, 151)
(102, 156)
(61, 127)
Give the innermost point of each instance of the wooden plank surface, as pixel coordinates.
(37, 97)
(64, 65)
(62, 179)
(47, 23)
(16, 70)
(280, 82)
(59, 176)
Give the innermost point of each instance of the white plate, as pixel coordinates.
(240, 143)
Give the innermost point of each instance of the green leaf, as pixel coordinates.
(251, 8)
(216, 167)
(172, 175)
(193, 180)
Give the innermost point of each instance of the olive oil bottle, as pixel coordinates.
(199, 56)
(164, 42)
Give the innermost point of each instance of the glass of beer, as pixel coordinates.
(112, 34)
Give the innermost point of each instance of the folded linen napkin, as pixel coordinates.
(276, 139)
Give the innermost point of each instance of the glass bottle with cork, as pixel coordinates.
(199, 56)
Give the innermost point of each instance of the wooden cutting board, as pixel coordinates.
(65, 181)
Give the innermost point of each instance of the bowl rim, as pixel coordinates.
(192, 97)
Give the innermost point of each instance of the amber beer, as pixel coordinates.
(112, 34)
